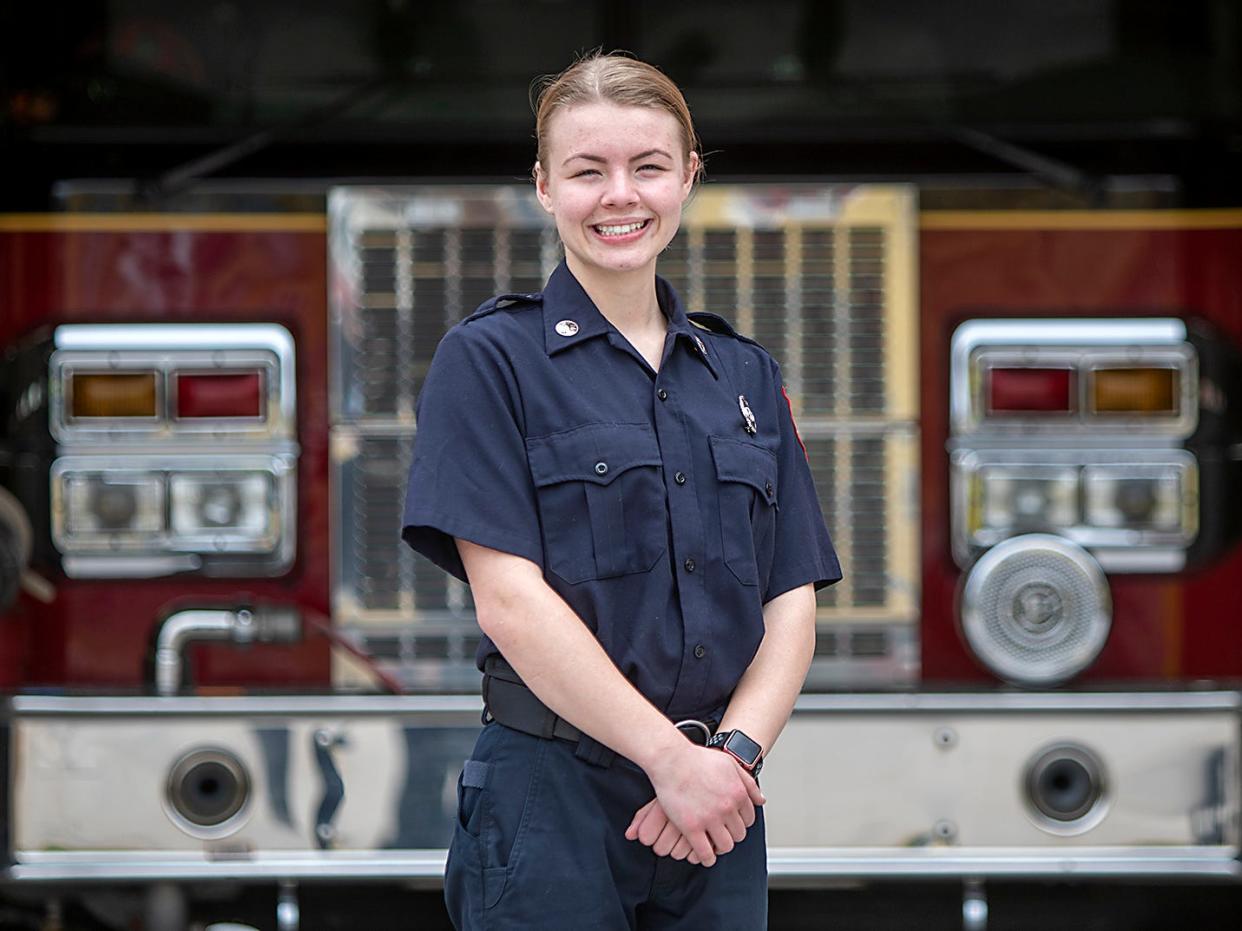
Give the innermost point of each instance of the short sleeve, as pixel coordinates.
(804, 551)
(469, 476)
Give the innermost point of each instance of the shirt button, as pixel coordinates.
(700, 651)
(689, 564)
(680, 478)
(768, 489)
(601, 468)
(662, 395)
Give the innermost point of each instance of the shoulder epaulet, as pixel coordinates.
(714, 323)
(501, 301)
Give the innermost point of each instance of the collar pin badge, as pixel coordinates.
(567, 328)
(747, 415)
(698, 342)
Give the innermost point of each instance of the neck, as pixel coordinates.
(627, 299)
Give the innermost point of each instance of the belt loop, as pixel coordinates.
(593, 752)
(547, 727)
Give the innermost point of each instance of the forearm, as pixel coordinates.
(559, 659)
(765, 695)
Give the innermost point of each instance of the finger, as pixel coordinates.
(736, 828)
(693, 858)
(752, 789)
(722, 841)
(702, 847)
(666, 841)
(652, 825)
(682, 849)
(747, 812)
(631, 833)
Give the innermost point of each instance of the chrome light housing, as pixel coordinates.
(1083, 428)
(1036, 610)
(172, 457)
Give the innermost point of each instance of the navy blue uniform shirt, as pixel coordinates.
(653, 510)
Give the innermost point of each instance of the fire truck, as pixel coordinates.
(223, 672)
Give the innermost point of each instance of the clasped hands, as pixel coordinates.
(705, 801)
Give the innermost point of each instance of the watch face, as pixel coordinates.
(743, 748)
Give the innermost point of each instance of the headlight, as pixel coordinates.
(113, 509)
(1027, 497)
(234, 508)
(183, 512)
(1136, 510)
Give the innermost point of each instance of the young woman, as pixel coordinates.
(624, 489)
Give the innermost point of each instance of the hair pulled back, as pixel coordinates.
(612, 77)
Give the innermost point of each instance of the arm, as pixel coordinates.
(702, 791)
(760, 706)
(765, 696)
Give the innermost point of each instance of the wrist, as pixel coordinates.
(662, 752)
(744, 749)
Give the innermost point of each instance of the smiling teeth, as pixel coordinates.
(621, 230)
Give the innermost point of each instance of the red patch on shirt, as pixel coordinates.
(797, 436)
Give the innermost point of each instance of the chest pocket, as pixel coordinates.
(601, 500)
(746, 474)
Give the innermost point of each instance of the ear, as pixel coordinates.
(541, 188)
(691, 172)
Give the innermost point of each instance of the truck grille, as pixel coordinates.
(822, 277)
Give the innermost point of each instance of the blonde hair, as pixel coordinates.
(613, 77)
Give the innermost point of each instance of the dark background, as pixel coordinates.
(1083, 101)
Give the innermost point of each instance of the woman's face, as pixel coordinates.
(615, 180)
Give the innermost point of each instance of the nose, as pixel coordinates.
(620, 190)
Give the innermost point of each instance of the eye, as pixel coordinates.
(584, 172)
(652, 168)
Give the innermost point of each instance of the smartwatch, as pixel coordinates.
(741, 748)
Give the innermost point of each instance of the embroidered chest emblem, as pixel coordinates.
(748, 416)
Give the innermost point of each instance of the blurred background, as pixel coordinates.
(202, 598)
(1085, 96)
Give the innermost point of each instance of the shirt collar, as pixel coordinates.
(568, 309)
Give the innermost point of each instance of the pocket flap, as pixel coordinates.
(597, 452)
(748, 463)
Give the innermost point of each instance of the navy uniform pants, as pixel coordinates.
(540, 844)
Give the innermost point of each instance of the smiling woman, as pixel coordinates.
(605, 472)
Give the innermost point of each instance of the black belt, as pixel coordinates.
(508, 701)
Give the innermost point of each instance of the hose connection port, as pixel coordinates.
(208, 792)
(1066, 789)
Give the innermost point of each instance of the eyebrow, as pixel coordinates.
(601, 160)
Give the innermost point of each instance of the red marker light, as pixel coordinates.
(1030, 391)
(214, 395)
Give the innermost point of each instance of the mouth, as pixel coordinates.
(621, 231)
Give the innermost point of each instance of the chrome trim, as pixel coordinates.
(1077, 343)
(463, 706)
(794, 866)
(167, 347)
(788, 867)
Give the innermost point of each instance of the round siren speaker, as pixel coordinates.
(1036, 609)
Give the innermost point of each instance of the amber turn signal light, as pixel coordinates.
(1134, 391)
(125, 394)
